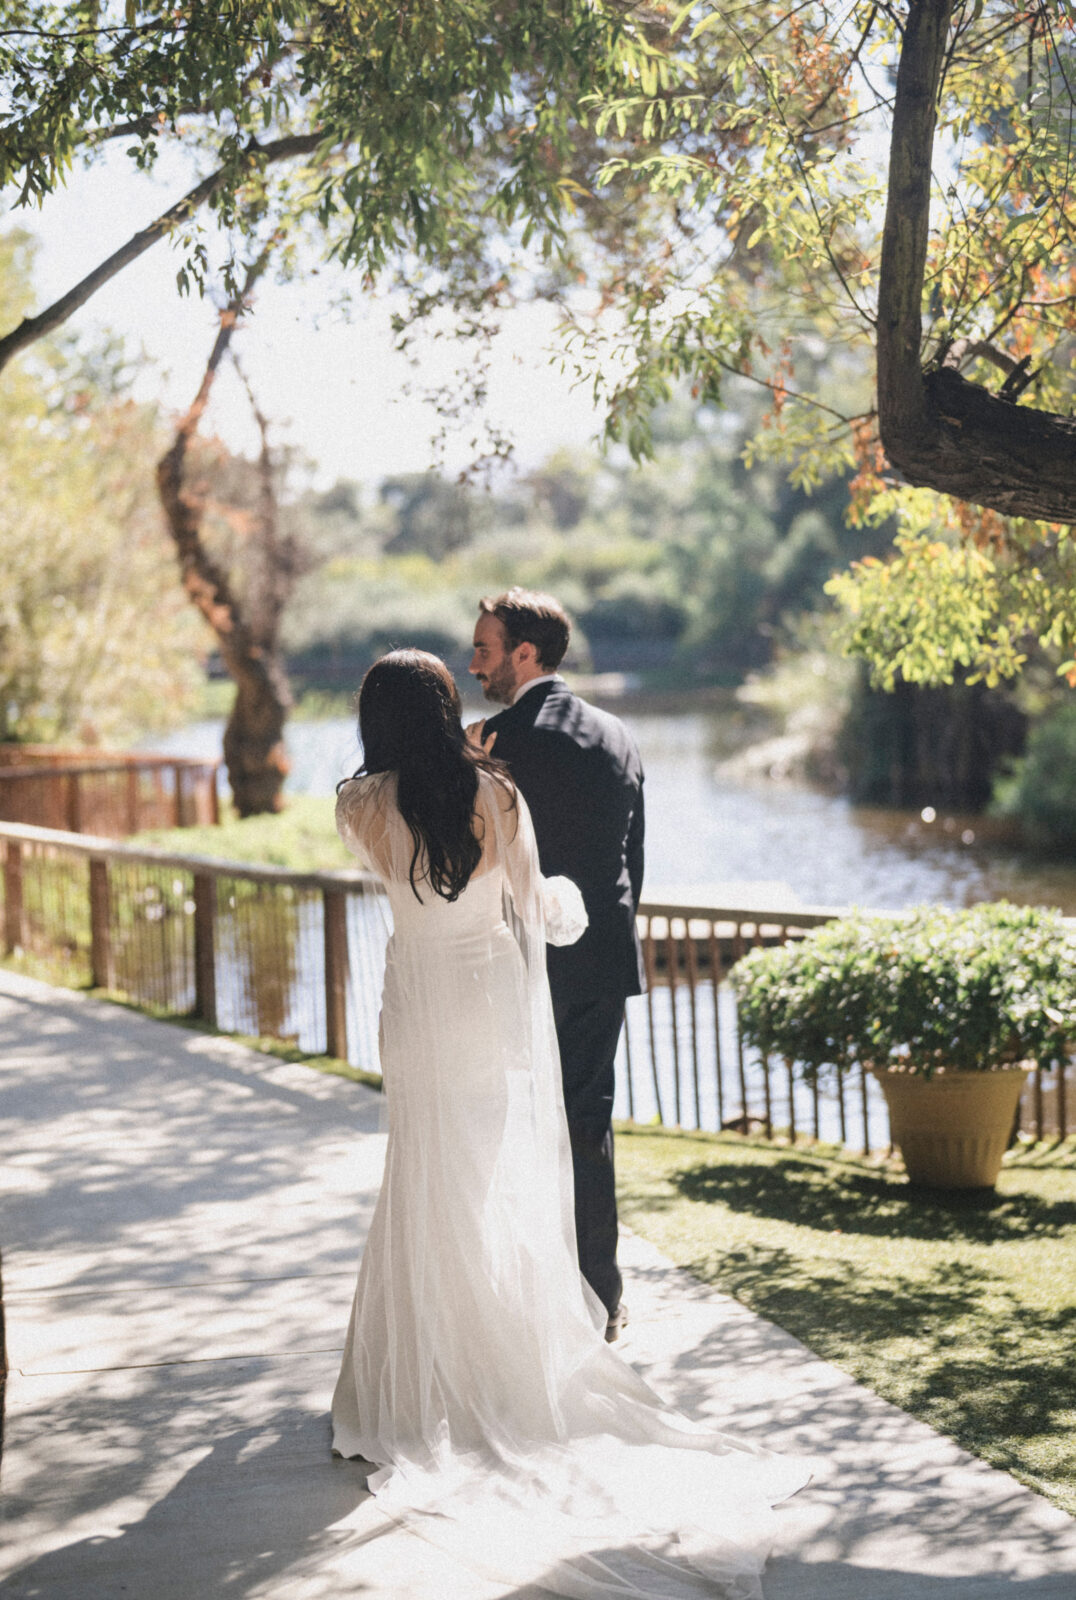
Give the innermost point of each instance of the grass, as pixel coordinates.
(303, 837)
(961, 1309)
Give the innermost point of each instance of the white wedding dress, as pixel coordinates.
(476, 1376)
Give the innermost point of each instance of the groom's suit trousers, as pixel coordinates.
(588, 1032)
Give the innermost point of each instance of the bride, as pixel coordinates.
(476, 1377)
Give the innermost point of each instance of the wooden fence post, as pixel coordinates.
(132, 799)
(74, 804)
(336, 972)
(100, 924)
(205, 961)
(13, 904)
(672, 964)
(214, 796)
(177, 774)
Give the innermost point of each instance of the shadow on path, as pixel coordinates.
(240, 1516)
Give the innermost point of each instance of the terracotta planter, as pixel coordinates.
(953, 1128)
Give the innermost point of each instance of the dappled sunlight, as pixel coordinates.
(254, 1500)
(164, 1178)
(184, 1226)
(957, 1307)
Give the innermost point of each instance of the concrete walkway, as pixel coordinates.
(181, 1228)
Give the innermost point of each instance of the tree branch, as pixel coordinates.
(280, 558)
(33, 328)
(938, 430)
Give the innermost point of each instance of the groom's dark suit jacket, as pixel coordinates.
(580, 773)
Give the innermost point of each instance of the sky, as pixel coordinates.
(327, 377)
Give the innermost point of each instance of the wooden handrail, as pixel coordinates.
(44, 757)
(140, 935)
(86, 844)
(748, 916)
(82, 769)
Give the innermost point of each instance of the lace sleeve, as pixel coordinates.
(361, 819)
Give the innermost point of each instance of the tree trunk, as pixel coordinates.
(253, 740)
(254, 736)
(938, 430)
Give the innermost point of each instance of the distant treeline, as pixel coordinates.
(686, 570)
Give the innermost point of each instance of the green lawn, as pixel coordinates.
(960, 1309)
(303, 837)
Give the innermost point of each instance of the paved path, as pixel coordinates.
(182, 1222)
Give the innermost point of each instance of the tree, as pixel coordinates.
(246, 626)
(766, 227)
(403, 135)
(409, 129)
(95, 643)
(987, 93)
(955, 258)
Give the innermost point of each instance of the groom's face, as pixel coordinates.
(492, 663)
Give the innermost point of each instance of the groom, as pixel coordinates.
(579, 771)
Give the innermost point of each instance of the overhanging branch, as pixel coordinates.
(33, 328)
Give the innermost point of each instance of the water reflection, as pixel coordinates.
(704, 828)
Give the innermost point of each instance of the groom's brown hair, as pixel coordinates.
(532, 618)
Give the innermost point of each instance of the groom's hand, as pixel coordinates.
(474, 732)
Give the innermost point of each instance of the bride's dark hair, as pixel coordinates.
(409, 723)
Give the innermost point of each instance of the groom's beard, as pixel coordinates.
(500, 685)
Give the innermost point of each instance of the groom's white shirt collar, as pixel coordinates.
(532, 683)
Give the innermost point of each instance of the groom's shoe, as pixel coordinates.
(616, 1324)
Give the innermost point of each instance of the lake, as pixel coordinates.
(756, 843)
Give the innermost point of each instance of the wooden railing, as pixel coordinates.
(300, 957)
(110, 795)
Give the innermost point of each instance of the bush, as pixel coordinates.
(990, 986)
(1042, 789)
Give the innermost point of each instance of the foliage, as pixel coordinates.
(95, 642)
(957, 1309)
(711, 177)
(395, 133)
(773, 157)
(786, 194)
(991, 985)
(956, 599)
(1041, 790)
(940, 747)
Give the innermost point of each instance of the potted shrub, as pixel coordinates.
(948, 1009)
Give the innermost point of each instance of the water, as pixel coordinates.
(757, 843)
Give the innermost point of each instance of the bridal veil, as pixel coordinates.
(475, 1375)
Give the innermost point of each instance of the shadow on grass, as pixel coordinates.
(957, 1349)
(829, 1196)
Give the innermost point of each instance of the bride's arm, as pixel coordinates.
(552, 905)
